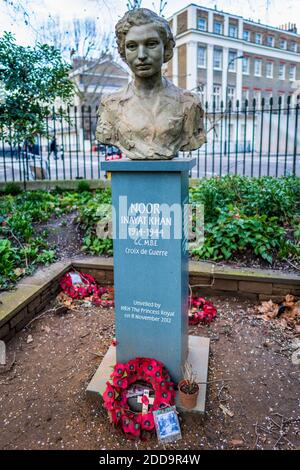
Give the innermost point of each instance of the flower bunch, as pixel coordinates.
(201, 311)
(115, 396)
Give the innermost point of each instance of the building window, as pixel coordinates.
(232, 31)
(281, 72)
(218, 54)
(269, 95)
(246, 65)
(269, 70)
(218, 27)
(258, 38)
(202, 24)
(201, 56)
(282, 43)
(246, 35)
(281, 95)
(202, 93)
(232, 61)
(231, 94)
(257, 97)
(293, 46)
(257, 67)
(270, 41)
(292, 72)
(217, 96)
(245, 96)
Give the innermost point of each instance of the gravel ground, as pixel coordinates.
(253, 393)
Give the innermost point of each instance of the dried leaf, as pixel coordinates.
(29, 339)
(236, 442)
(269, 310)
(226, 411)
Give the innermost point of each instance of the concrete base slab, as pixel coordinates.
(198, 357)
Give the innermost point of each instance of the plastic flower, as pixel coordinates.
(147, 421)
(109, 394)
(120, 370)
(116, 415)
(120, 382)
(132, 366)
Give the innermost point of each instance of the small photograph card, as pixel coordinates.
(167, 425)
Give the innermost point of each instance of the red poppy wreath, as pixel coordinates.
(116, 396)
(201, 311)
(87, 287)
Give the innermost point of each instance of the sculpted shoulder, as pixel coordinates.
(113, 99)
(180, 94)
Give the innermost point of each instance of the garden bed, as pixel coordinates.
(249, 222)
(43, 402)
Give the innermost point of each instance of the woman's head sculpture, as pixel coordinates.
(151, 118)
(141, 17)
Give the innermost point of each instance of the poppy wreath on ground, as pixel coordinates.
(87, 288)
(145, 370)
(201, 311)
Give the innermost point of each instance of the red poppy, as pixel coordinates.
(109, 394)
(147, 421)
(120, 370)
(116, 415)
(132, 366)
(120, 382)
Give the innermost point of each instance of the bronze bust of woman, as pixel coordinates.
(149, 119)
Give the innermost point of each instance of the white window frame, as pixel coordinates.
(232, 66)
(221, 29)
(293, 46)
(294, 68)
(246, 31)
(221, 55)
(245, 96)
(258, 35)
(282, 99)
(205, 22)
(235, 30)
(217, 96)
(202, 93)
(230, 95)
(246, 60)
(284, 41)
(255, 94)
(272, 40)
(202, 66)
(269, 75)
(281, 76)
(257, 61)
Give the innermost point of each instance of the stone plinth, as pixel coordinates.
(151, 259)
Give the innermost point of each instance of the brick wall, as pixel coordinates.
(224, 283)
(182, 66)
(182, 21)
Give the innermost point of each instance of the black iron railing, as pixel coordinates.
(252, 139)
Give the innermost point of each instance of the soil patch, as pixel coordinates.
(252, 385)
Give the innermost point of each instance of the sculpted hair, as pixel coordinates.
(140, 17)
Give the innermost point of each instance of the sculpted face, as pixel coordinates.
(144, 50)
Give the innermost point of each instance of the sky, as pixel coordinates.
(25, 27)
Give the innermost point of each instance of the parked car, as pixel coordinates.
(112, 153)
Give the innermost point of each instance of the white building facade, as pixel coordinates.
(226, 57)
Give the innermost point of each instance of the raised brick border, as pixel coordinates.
(34, 293)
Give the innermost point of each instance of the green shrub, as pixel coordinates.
(83, 186)
(13, 189)
(235, 232)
